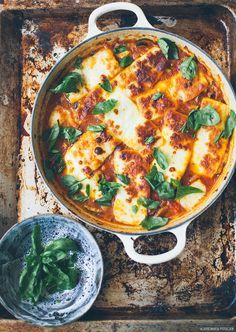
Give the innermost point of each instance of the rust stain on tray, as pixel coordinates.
(191, 280)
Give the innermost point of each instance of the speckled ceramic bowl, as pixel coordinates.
(59, 308)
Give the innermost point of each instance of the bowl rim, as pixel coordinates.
(223, 183)
(88, 236)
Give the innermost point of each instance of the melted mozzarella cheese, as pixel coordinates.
(189, 201)
(207, 156)
(142, 74)
(130, 163)
(126, 123)
(81, 158)
(101, 63)
(155, 109)
(176, 146)
(181, 89)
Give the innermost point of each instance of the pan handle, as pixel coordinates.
(180, 234)
(92, 25)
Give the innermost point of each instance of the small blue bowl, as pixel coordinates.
(59, 308)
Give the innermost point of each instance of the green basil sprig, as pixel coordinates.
(166, 191)
(126, 61)
(96, 128)
(188, 68)
(70, 134)
(71, 183)
(68, 84)
(154, 222)
(105, 106)
(230, 124)
(120, 49)
(182, 191)
(123, 178)
(157, 96)
(206, 116)
(54, 164)
(134, 209)
(48, 269)
(168, 48)
(82, 198)
(160, 158)
(154, 178)
(148, 203)
(106, 85)
(157, 182)
(109, 190)
(149, 140)
(51, 135)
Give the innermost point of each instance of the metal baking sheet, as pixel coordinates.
(200, 282)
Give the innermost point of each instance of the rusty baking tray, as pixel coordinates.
(198, 284)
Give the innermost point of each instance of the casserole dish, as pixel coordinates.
(142, 29)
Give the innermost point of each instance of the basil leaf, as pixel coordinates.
(25, 279)
(221, 135)
(154, 178)
(104, 107)
(182, 191)
(78, 62)
(68, 84)
(62, 280)
(56, 161)
(37, 247)
(80, 198)
(53, 256)
(230, 124)
(68, 180)
(64, 244)
(109, 190)
(149, 140)
(123, 178)
(166, 191)
(134, 209)
(208, 116)
(48, 171)
(104, 200)
(71, 183)
(96, 128)
(120, 49)
(126, 61)
(107, 187)
(157, 96)
(192, 121)
(160, 158)
(168, 48)
(51, 135)
(106, 85)
(188, 68)
(148, 203)
(33, 289)
(88, 189)
(70, 133)
(186, 190)
(153, 222)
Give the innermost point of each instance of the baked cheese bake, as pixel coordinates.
(136, 132)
